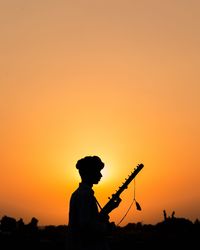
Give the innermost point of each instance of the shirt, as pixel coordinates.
(86, 230)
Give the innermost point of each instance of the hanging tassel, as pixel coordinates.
(138, 207)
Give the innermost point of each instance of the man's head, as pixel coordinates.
(90, 168)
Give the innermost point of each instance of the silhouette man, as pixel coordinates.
(87, 229)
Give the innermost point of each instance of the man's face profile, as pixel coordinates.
(96, 176)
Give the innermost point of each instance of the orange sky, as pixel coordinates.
(117, 79)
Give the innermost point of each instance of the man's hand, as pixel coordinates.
(112, 204)
(104, 217)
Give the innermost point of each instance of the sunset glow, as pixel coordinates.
(117, 79)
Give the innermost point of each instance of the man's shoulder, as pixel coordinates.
(82, 191)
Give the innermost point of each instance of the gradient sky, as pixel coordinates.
(117, 79)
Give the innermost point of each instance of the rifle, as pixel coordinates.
(115, 199)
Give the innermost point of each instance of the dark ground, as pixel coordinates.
(171, 233)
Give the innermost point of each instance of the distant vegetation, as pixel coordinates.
(169, 233)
